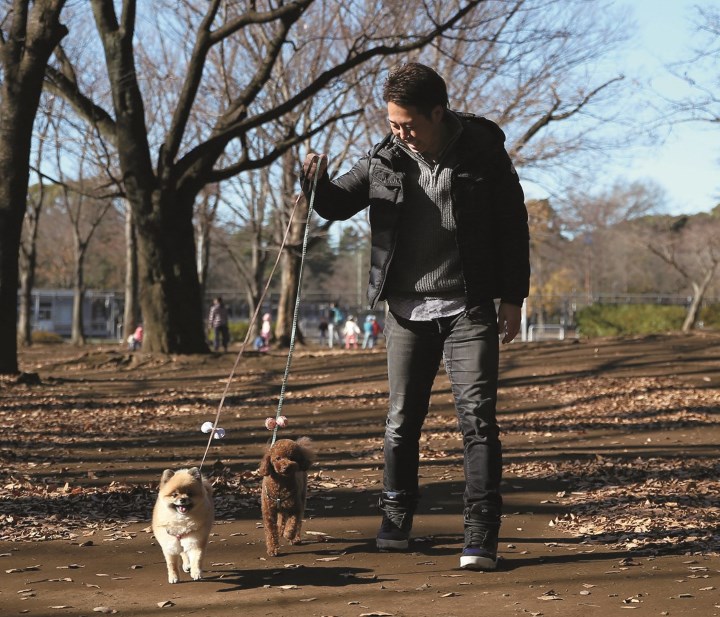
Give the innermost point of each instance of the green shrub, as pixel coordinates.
(46, 338)
(624, 319)
(710, 316)
(238, 331)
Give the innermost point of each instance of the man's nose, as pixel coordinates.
(404, 134)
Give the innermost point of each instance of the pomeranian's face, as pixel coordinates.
(181, 490)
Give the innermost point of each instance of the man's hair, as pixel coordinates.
(417, 85)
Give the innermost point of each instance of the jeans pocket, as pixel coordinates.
(482, 314)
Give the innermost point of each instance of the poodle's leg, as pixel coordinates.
(270, 522)
(282, 524)
(293, 528)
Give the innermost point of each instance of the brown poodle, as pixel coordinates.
(284, 490)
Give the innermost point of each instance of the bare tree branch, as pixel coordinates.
(282, 146)
(552, 116)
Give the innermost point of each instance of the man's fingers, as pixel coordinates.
(314, 166)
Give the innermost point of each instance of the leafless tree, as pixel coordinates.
(131, 306)
(549, 260)
(701, 71)
(38, 194)
(247, 238)
(691, 246)
(29, 31)
(162, 192)
(594, 217)
(85, 201)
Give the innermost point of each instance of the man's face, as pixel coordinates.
(420, 133)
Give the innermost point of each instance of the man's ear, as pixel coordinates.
(437, 114)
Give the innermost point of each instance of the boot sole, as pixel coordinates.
(391, 545)
(477, 563)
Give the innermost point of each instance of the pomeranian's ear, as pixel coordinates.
(166, 475)
(194, 472)
(265, 466)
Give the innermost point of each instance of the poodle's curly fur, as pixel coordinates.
(284, 490)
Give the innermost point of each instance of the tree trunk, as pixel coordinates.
(13, 188)
(699, 290)
(24, 56)
(28, 263)
(162, 207)
(170, 301)
(203, 253)
(77, 336)
(290, 279)
(131, 311)
(207, 209)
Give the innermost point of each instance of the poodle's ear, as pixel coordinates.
(304, 462)
(265, 466)
(307, 453)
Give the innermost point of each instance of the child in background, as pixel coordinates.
(351, 332)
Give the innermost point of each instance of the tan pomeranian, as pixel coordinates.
(182, 519)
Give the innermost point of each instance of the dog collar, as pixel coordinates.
(178, 536)
(278, 501)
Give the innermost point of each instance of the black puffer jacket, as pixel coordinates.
(488, 205)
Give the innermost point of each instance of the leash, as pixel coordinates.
(214, 430)
(293, 331)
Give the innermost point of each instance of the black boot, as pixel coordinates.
(398, 510)
(482, 526)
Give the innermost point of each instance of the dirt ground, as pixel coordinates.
(612, 484)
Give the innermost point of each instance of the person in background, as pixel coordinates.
(136, 338)
(334, 321)
(323, 330)
(351, 333)
(369, 332)
(218, 323)
(376, 330)
(266, 331)
(449, 235)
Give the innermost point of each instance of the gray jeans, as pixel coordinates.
(468, 344)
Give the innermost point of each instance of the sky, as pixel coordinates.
(687, 163)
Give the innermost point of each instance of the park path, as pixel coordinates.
(587, 425)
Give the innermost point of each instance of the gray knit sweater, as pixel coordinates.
(426, 261)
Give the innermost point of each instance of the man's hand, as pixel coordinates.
(509, 316)
(310, 166)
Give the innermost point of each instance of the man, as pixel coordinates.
(449, 235)
(218, 322)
